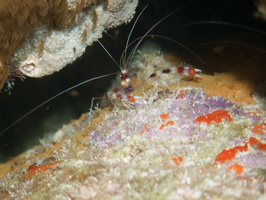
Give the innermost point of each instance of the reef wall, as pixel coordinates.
(177, 141)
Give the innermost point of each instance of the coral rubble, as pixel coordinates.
(41, 37)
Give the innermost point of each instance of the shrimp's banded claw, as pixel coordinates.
(117, 94)
(188, 70)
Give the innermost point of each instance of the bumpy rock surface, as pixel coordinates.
(39, 38)
(261, 6)
(176, 142)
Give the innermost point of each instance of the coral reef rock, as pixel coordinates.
(41, 37)
(261, 7)
(176, 142)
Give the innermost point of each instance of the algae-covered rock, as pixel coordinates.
(178, 142)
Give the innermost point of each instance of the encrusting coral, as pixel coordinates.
(41, 37)
(261, 7)
(178, 142)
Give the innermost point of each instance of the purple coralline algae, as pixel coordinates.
(156, 150)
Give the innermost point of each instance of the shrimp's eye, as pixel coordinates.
(124, 76)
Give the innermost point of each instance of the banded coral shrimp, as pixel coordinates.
(244, 48)
(161, 9)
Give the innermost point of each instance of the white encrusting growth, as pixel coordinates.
(44, 53)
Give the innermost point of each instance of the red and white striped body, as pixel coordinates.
(185, 70)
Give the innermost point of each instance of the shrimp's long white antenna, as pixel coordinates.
(128, 38)
(172, 40)
(156, 24)
(178, 43)
(223, 23)
(53, 97)
(231, 42)
(121, 61)
(110, 55)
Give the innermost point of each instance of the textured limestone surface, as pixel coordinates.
(179, 141)
(39, 38)
(261, 6)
